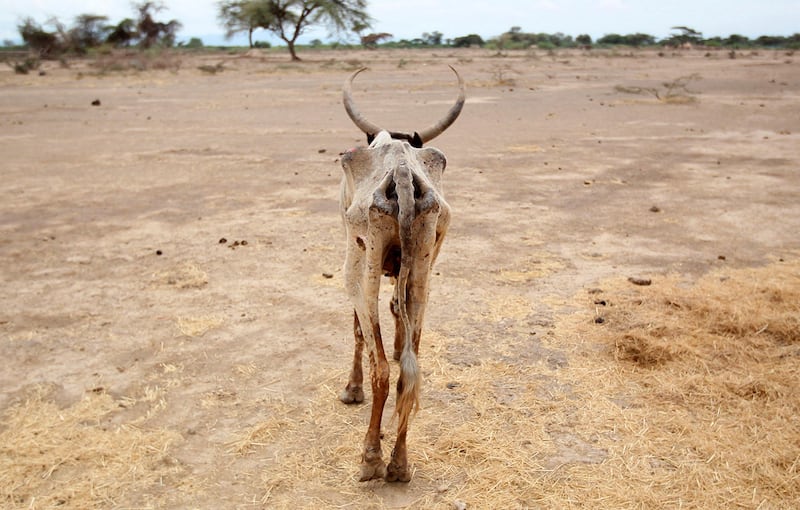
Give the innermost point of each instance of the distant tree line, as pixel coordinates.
(515, 38)
(288, 19)
(88, 31)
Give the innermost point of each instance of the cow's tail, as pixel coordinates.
(408, 383)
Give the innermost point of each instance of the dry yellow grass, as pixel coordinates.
(77, 457)
(685, 396)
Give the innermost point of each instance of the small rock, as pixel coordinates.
(655, 208)
(599, 320)
(640, 281)
(721, 257)
(459, 505)
(222, 240)
(327, 275)
(244, 242)
(96, 102)
(159, 252)
(322, 151)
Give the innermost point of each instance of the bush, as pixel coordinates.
(194, 43)
(468, 40)
(27, 65)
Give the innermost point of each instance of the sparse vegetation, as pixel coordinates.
(502, 75)
(288, 19)
(671, 92)
(25, 66)
(89, 31)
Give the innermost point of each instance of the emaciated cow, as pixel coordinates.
(395, 219)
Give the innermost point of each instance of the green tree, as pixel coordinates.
(152, 32)
(88, 31)
(433, 38)
(123, 33)
(288, 19)
(244, 16)
(38, 39)
(468, 40)
(687, 36)
(639, 39)
(737, 41)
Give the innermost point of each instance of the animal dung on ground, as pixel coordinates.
(234, 244)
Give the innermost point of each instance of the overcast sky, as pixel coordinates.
(407, 19)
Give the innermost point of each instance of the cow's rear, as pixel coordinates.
(395, 218)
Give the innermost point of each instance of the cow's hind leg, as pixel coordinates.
(372, 465)
(354, 391)
(415, 297)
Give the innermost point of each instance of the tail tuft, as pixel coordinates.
(408, 386)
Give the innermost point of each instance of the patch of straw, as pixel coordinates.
(663, 404)
(198, 326)
(76, 457)
(184, 276)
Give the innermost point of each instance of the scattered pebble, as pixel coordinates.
(222, 240)
(159, 252)
(599, 320)
(721, 257)
(655, 208)
(639, 281)
(327, 275)
(96, 102)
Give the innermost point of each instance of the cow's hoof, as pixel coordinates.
(352, 395)
(397, 473)
(373, 470)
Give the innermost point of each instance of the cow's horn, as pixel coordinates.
(437, 129)
(359, 120)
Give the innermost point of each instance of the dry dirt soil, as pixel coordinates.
(174, 252)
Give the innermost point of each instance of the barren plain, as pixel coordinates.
(174, 329)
